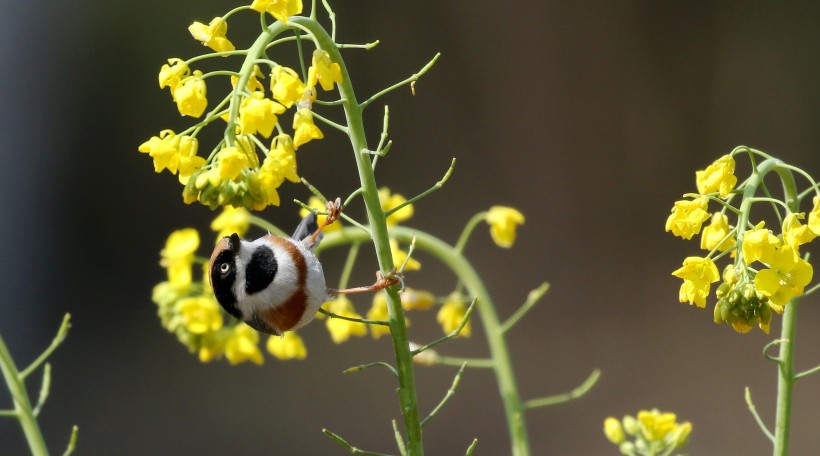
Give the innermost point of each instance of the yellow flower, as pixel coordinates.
(655, 426)
(304, 128)
(341, 330)
(400, 255)
(262, 186)
(795, 233)
(212, 35)
(165, 150)
(253, 83)
(243, 345)
(687, 217)
(190, 95)
(286, 86)
(231, 220)
(451, 314)
(378, 311)
(614, 431)
(389, 201)
(230, 163)
(258, 114)
(324, 71)
(200, 314)
(503, 223)
(717, 177)
(287, 346)
(697, 274)
(281, 159)
(715, 233)
(189, 162)
(178, 255)
(412, 299)
(316, 203)
(172, 72)
(787, 276)
(814, 216)
(759, 244)
(280, 9)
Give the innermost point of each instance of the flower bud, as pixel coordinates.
(681, 435)
(614, 431)
(631, 425)
(749, 291)
(718, 319)
(723, 290)
(627, 448)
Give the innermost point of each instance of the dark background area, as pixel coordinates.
(591, 118)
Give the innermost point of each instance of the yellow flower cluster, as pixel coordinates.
(651, 432)
(749, 292)
(242, 171)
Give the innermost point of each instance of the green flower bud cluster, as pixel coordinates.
(223, 193)
(742, 307)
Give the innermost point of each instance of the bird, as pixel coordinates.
(275, 283)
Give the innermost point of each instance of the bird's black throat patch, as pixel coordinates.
(260, 270)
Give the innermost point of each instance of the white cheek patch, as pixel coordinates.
(285, 281)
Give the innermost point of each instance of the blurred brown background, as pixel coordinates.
(589, 117)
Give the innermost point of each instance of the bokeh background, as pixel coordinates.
(590, 117)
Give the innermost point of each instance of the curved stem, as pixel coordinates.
(785, 361)
(502, 363)
(380, 237)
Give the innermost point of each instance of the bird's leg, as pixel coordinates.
(334, 211)
(381, 283)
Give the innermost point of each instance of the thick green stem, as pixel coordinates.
(785, 373)
(514, 407)
(785, 380)
(22, 404)
(381, 240)
(785, 361)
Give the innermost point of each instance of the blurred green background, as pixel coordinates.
(590, 117)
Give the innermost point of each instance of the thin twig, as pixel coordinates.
(447, 396)
(566, 397)
(72, 441)
(806, 373)
(409, 80)
(44, 389)
(471, 448)
(452, 334)
(532, 298)
(756, 416)
(362, 367)
(770, 345)
(353, 450)
(435, 187)
(399, 439)
(58, 339)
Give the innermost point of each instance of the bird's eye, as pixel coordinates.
(224, 268)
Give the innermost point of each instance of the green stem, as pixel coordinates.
(380, 237)
(786, 375)
(22, 404)
(785, 380)
(468, 230)
(785, 362)
(256, 50)
(502, 363)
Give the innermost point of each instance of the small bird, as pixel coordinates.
(275, 283)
